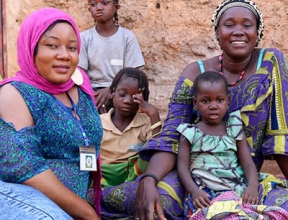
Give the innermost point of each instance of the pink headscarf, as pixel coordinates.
(30, 32)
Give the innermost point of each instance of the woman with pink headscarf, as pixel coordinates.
(48, 125)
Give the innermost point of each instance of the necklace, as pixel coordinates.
(241, 74)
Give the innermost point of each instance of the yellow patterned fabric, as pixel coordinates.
(228, 205)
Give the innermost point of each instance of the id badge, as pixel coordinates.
(88, 161)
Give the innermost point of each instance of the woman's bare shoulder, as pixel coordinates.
(13, 107)
(192, 70)
(9, 94)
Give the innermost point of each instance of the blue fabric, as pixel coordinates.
(201, 66)
(53, 143)
(261, 53)
(260, 58)
(32, 204)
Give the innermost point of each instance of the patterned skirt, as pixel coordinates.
(118, 202)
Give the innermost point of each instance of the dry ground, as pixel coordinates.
(271, 166)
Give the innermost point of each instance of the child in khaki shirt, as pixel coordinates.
(127, 126)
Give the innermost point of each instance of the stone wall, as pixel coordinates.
(171, 33)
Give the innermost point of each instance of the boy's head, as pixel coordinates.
(132, 73)
(135, 77)
(109, 5)
(104, 1)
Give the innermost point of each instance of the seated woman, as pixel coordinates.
(126, 127)
(257, 88)
(214, 162)
(47, 112)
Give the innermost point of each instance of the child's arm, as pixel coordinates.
(200, 198)
(250, 194)
(102, 98)
(151, 111)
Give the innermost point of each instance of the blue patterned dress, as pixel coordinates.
(53, 143)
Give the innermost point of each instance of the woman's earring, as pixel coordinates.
(77, 77)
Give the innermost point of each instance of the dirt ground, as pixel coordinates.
(271, 166)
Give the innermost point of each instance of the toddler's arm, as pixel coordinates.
(250, 194)
(200, 198)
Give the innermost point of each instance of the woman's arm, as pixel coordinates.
(14, 109)
(163, 149)
(49, 184)
(276, 141)
(147, 199)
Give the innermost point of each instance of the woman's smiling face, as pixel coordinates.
(56, 57)
(237, 31)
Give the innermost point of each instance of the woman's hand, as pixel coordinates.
(102, 96)
(147, 200)
(147, 197)
(251, 195)
(200, 199)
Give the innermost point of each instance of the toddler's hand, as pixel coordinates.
(250, 196)
(200, 199)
